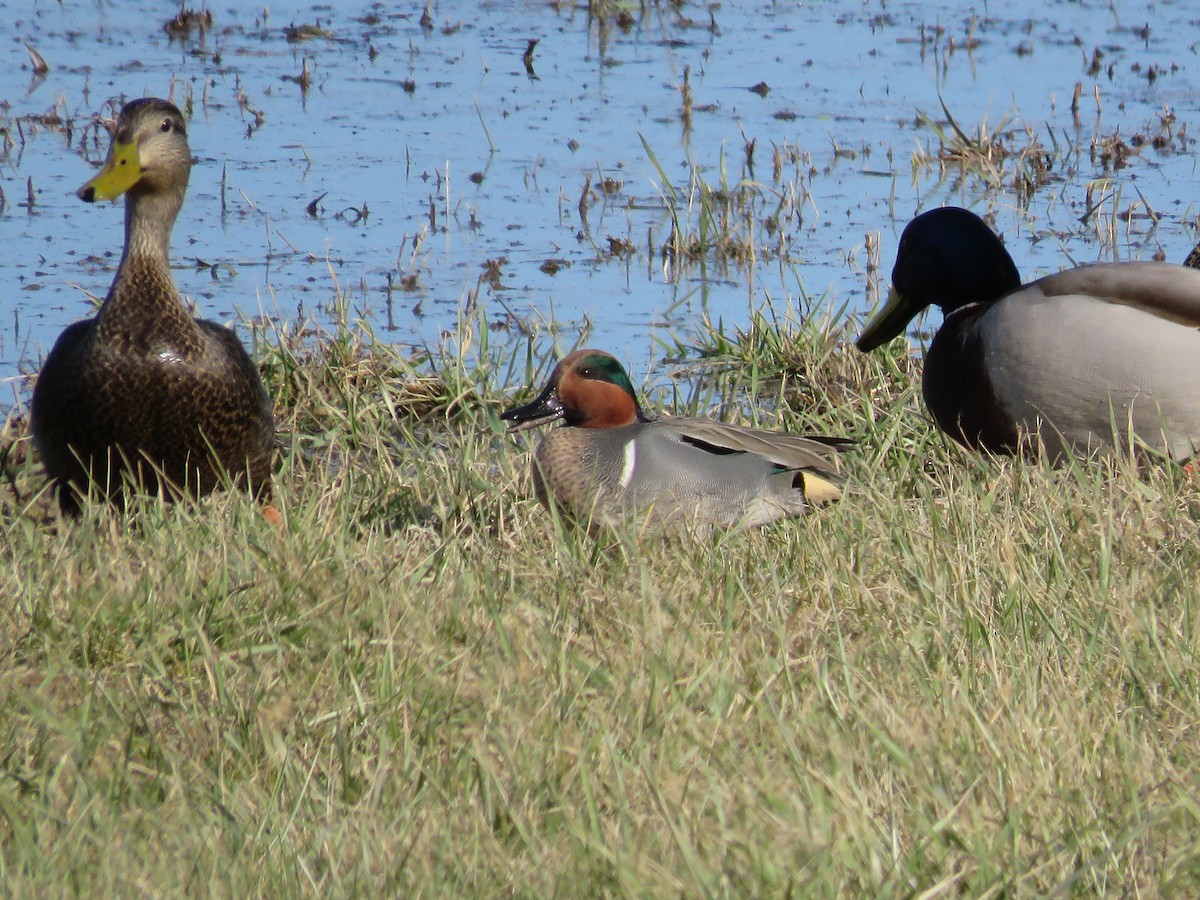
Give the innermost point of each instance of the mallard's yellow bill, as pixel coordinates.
(120, 172)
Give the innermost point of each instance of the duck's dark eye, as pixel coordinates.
(587, 372)
(166, 126)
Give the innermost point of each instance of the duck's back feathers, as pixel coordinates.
(1157, 288)
(787, 451)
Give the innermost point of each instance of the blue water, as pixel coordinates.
(398, 118)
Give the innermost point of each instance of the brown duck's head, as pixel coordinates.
(149, 153)
(588, 389)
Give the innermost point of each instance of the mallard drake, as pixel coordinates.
(144, 391)
(1093, 358)
(609, 460)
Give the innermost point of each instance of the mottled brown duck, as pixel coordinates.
(144, 394)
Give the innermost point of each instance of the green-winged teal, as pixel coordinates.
(609, 460)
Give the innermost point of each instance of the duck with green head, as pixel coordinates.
(145, 392)
(609, 460)
(1088, 360)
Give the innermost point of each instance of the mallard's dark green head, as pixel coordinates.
(948, 257)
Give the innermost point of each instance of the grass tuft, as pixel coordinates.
(971, 675)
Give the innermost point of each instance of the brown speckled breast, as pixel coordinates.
(565, 469)
(102, 409)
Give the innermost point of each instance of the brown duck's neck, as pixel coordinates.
(149, 218)
(143, 303)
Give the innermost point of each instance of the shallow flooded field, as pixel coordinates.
(638, 167)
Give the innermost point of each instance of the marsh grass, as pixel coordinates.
(1000, 155)
(971, 676)
(733, 220)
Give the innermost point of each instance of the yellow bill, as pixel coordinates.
(120, 172)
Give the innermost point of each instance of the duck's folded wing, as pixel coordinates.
(788, 451)
(1163, 289)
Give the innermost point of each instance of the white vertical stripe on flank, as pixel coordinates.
(630, 462)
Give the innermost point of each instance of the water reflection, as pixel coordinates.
(426, 164)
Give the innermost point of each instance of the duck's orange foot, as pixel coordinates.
(272, 514)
